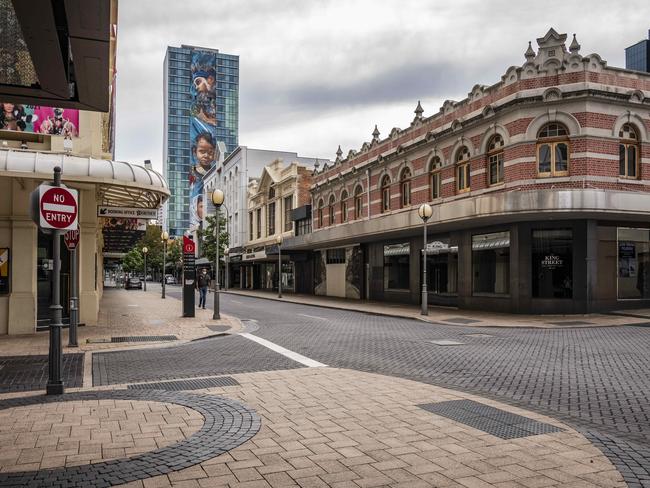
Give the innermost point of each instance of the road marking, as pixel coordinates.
(312, 316)
(299, 358)
(235, 301)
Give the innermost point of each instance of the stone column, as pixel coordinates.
(89, 258)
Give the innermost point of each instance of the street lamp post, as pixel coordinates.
(217, 201)
(279, 241)
(164, 236)
(226, 253)
(145, 250)
(425, 211)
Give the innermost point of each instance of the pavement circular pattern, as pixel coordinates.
(227, 424)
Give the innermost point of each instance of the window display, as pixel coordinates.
(552, 257)
(633, 263)
(396, 266)
(491, 263)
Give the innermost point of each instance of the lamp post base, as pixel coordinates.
(425, 304)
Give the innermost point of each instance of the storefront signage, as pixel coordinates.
(254, 255)
(552, 261)
(4, 270)
(126, 212)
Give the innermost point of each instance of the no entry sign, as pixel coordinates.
(57, 207)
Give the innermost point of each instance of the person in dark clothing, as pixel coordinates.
(202, 283)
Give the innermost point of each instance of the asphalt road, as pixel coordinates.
(595, 379)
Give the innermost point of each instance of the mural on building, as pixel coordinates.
(203, 125)
(353, 271)
(39, 120)
(320, 273)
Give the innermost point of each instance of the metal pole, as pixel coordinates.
(216, 315)
(164, 277)
(55, 360)
(227, 277)
(425, 295)
(145, 271)
(279, 270)
(74, 301)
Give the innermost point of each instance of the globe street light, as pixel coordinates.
(279, 241)
(425, 211)
(145, 250)
(164, 237)
(217, 201)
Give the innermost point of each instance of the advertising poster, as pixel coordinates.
(39, 120)
(4, 270)
(203, 125)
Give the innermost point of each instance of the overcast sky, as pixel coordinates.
(316, 73)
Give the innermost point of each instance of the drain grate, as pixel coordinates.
(460, 320)
(144, 338)
(193, 384)
(494, 421)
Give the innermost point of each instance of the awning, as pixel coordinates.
(490, 244)
(118, 183)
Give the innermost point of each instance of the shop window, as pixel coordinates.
(358, 202)
(491, 263)
(397, 266)
(270, 219)
(405, 187)
(385, 193)
(552, 257)
(331, 210)
(495, 160)
(628, 161)
(553, 151)
(462, 170)
(288, 206)
(435, 178)
(335, 256)
(633, 263)
(344, 206)
(442, 267)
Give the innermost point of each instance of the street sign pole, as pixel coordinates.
(55, 360)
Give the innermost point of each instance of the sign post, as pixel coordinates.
(71, 239)
(54, 209)
(189, 276)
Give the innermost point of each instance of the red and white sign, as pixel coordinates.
(71, 239)
(58, 207)
(188, 245)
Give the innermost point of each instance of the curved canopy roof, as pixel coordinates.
(119, 183)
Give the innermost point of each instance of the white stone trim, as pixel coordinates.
(446, 181)
(477, 172)
(593, 155)
(515, 161)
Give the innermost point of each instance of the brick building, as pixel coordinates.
(540, 188)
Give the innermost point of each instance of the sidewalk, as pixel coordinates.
(452, 316)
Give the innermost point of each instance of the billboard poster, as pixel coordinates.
(4, 270)
(39, 120)
(203, 128)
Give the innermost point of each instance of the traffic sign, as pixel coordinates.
(188, 245)
(71, 239)
(58, 207)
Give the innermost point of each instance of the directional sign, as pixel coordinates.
(188, 245)
(58, 207)
(71, 239)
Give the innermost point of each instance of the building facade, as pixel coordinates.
(540, 188)
(637, 56)
(233, 178)
(271, 199)
(201, 120)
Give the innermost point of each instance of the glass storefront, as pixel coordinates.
(491, 263)
(396, 266)
(552, 259)
(288, 282)
(442, 267)
(633, 263)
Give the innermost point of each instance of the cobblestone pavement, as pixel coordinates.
(594, 379)
(25, 373)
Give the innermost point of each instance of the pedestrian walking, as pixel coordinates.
(202, 284)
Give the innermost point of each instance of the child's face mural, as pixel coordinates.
(205, 153)
(199, 209)
(8, 107)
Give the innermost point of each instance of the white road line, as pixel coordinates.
(299, 358)
(312, 316)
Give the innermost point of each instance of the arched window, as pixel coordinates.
(385, 193)
(405, 187)
(435, 179)
(495, 159)
(331, 210)
(271, 193)
(553, 150)
(358, 201)
(344, 206)
(628, 152)
(321, 204)
(462, 170)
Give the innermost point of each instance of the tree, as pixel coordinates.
(208, 239)
(133, 261)
(174, 255)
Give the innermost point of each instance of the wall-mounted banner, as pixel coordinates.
(127, 212)
(4, 270)
(39, 120)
